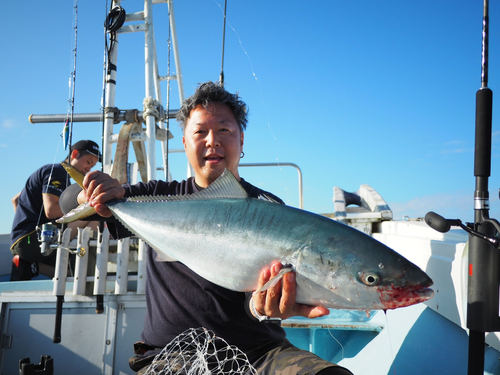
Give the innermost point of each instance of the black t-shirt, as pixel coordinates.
(49, 179)
(178, 298)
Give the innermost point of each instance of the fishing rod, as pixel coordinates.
(221, 76)
(48, 232)
(484, 258)
(67, 136)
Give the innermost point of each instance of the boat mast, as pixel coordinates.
(109, 100)
(175, 49)
(152, 112)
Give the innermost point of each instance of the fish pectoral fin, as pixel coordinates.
(82, 211)
(274, 280)
(161, 257)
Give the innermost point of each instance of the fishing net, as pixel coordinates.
(198, 351)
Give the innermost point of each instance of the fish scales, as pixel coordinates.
(228, 238)
(209, 235)
(229, 241)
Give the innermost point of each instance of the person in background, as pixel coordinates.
(37, 204)
(213, 121)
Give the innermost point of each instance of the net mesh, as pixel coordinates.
(198, 351)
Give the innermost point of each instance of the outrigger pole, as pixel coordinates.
(484, 258)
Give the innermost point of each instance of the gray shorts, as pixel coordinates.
(287, 359)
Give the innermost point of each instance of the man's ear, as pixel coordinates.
(75, 154)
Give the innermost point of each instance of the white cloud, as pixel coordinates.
(455, 142)
(456, 151)
(8, 123)
(458, 205)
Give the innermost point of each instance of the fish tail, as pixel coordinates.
(74, 173)
(81, 212)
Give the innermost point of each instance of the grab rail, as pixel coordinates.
(301, 201)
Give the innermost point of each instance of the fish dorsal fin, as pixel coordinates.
(226, 186)
(267, 198)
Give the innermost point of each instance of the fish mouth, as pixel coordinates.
(395, 297)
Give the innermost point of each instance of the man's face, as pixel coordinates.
(84, 163)
(213, 141)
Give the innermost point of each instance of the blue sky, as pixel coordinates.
(354, 92)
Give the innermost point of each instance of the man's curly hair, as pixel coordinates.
(208, 93)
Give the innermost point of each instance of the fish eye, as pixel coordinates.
(369, 278)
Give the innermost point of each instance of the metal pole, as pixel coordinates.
(175, 49)
(301, 201)
(119, 116)
(107, 150)
(150, 91)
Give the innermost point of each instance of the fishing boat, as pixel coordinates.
(86, 323)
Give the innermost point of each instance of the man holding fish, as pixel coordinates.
(38, 204)
(213, 122)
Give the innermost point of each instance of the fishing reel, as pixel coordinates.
(50, 238)
(439, 223)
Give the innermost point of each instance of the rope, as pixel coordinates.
(152, 107)
(198, 351)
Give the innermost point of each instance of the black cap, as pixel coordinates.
(90, 146)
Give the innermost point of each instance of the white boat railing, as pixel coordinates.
(110, 272)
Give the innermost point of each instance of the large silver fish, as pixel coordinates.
(227, 238)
